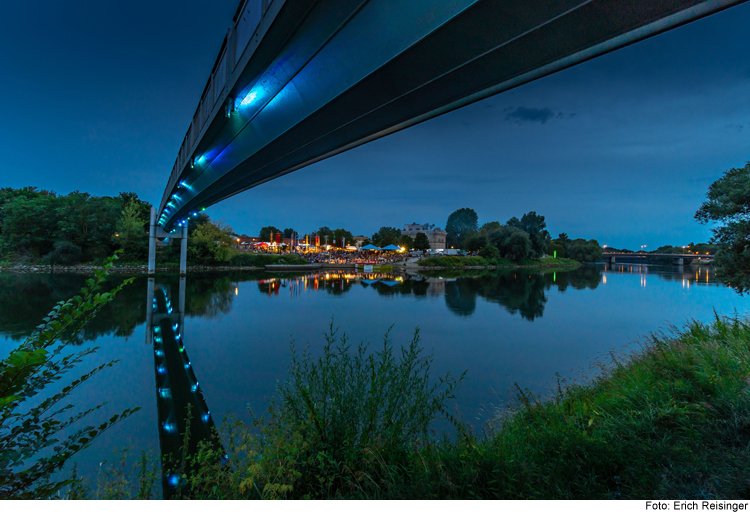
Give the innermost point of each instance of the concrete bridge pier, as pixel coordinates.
(678, 261)
(183, 251)
(155, 231)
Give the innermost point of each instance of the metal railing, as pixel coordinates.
(246, 23)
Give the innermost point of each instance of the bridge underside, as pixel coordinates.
(330, 75)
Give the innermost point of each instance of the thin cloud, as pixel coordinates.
(523, 114)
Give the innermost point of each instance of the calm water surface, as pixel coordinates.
(518, 327)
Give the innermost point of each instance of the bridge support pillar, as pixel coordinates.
(183, 251)
(678, 261)
(611, 260)
(152, 243)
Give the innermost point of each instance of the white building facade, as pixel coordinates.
(436, 236)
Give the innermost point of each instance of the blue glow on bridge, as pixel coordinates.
(249, 98)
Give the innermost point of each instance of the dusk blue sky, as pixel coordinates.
(97, 96)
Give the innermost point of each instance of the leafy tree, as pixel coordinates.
(563, 237)
(728, 203)
(265, 233)
(29, 223)
(476, 243)
(64, 253)
(460, 223)
(406, 242)
(130, 233)
(386, 236)
(324, 232)
(347, 235)
(534, 225)
(211, 242)
(583, 250)
(29, 428)
(513, 243)
(421, 242)
(489, 227)
(489, 252)
(288, 232)
(555, 248)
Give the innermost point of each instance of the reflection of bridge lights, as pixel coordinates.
(159, 353)
(165, 393)
(157, 339)
(206, 416)
(161, 370)
(173, 479)
(169, 427)
(194, 388)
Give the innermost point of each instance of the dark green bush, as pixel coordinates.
(63, 254)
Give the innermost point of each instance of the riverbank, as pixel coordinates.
(672, 419)
(436, 263)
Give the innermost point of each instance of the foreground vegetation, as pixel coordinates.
(671, 420)
(32, 446)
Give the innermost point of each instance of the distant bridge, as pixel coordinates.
(297, 81)
(678, 259)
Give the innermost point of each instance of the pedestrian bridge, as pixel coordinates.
(297, 81)
(678, 259)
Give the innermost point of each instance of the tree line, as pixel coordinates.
(42, 226)
(516, 240)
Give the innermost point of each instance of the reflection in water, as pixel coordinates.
(179, 399)
(25, 299)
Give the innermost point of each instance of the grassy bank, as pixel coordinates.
(450, 262)
(671, 420)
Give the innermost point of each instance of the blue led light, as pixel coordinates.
(165, 393)
(173, 480)
(161, 370)
(194, 388)
(169, 427)
(249, 98)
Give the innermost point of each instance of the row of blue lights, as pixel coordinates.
(248, 99)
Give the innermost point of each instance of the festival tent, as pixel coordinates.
(391, 248)
(351, 248)
(371, 247)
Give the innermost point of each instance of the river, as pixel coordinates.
(502, 328)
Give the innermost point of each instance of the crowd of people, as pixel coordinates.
(335, 255)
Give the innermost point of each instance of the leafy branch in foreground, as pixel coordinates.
(29, 428)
